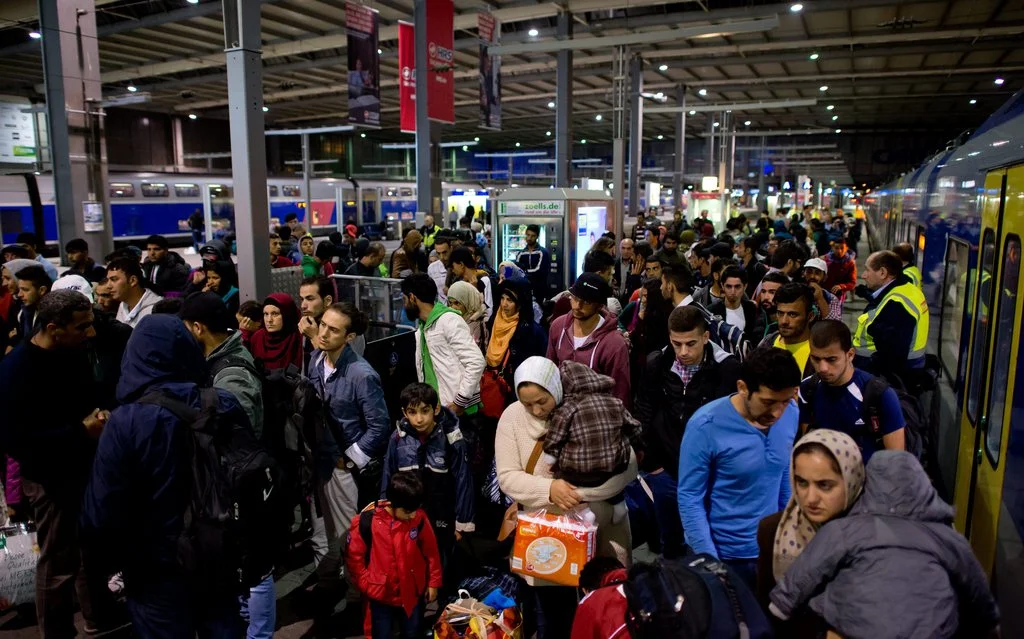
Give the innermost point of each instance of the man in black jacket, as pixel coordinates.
(677, 381)
(736, 309)
(163, 268)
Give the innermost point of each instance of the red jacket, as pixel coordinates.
(841, 272)
(605, 351)
(602, 613)
(404, 559)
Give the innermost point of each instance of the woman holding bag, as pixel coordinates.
(515, 336)
(525, 477)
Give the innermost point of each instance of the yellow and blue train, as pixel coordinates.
(964, 212)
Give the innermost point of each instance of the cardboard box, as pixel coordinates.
(553, 547)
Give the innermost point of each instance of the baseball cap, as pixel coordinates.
(351, 230)
(591, 287)
(818, 263)
(208, 309)
(75, 283)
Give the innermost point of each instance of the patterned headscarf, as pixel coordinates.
(795, 531)
(510, 270)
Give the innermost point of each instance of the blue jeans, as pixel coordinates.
(745, 569)
(385, 619)
(260, 610)
(167, 609)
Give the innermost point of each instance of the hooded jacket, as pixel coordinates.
(238, 380)
(529, 338)
(132, 513)
(664, 404)
(169, 276)
(132, 317)
(602, 613)
(455, 362)
(441, 459)
(605, 351)
(591, 432)
(863, 573)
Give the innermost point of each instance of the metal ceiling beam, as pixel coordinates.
(338, 40)
(736, 106)
(603, 42)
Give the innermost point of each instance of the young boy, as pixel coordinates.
(428, 440)
(393, 559)
(602, 611)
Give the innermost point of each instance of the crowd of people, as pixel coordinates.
(694, 391)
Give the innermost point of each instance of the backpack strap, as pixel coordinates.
(232, 361)
(366, 532)
(871, 408)
(209, 402)
(808, 392)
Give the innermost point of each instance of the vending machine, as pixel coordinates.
(570, 221)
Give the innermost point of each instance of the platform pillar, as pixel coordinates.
(563, 106)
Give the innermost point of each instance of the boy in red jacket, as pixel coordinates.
(602, 611)
(398, 567)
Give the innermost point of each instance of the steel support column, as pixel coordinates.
(619, 102)
(679, 177)
(762, 195)
(563, 106)
(307, 170)
(248, 146)
(636, 128)
(709, 156)
(78, 148)
(424, 163)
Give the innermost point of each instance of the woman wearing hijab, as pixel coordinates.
(222, 279)
(521, 432)
(279, 343)
(826, 476)
(464, 298)
(511, 271)
(514, 332)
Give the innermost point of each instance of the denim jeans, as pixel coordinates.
(166, 608)
(745, 569)
(385, 619)
(260, 610)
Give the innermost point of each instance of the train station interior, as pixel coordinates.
(222, 121)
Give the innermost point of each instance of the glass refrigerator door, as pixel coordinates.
(514, 239)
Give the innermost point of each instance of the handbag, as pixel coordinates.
(510, 520)
(494, 390)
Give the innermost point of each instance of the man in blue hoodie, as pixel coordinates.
(134, 506)
(734, 461)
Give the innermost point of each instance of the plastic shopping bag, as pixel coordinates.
(554, 547)
(467, 618)
(19, 554)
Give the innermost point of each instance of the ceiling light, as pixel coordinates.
(823, 88)
(476, 139)
(663, 67)
(999, 81)
(362, 135)
(814, 56)
(551, 105)
(973, 101)
(533, 33)
(193, 1)
(465, 148)
(35, 35)
(839, 130)
(693, 113)
(380, 51)
(661, 137)
(517, 145)
(702, 92)
(835, 117)
(598, 117)
(747, 123)
(830, 107)
(265, 109)
(192, 116)
(714, 124)
(796, 8)
(132, 88)
(547, 133)
(583, 141)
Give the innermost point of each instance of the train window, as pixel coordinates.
(272, 189)
(186, 190)
(1002, 344)
(153, 189)
(122, 189)
(405, 192)
(221, 192)
(391, 192)
(986, 271)
(291, 190)
(955, 292)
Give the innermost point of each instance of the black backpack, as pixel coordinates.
(231, 537)
(696, 597)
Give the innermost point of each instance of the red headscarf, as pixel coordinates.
(278, 350)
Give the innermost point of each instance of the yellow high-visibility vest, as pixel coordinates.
(914, 274)
(912, 299)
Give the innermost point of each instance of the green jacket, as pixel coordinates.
(239, 381)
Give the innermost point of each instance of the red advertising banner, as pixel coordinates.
(441, 55)
(407, 77)
(490, 73)
(363, 65)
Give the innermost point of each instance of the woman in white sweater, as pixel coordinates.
(521, 427)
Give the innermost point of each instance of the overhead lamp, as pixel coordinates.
(476, 139)
(814, 56)
(193, 1)
(663, 67)
(823, 88)
(693, 112)
(533, 33)
(661, 137)
(362, 135)
(380, 51)
(551, 104)
(973, 101)
(517, 145)
(839, 130)
(598, 117)
(830, 107)
(547, 133)
(583, 141)
(796, 8)
(265, 109)
(747, 123)
(999, 81)
(702, 92)
(192, 116)
(132, 88)
(465, 147)
(715, 124)
(835, 117)
(35, 35)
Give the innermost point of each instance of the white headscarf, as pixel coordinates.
(14, 266)
(466, 294)
(542, 372)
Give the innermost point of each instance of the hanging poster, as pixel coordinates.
(92, 217)
(407, 77)
(361, 25)
(17, 134)
(490, 73)
(441, 56)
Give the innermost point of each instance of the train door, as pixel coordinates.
(989, 403)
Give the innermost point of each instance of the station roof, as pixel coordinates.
(888, 66)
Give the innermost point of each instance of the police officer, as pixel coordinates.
(905, 251)
(892, 332)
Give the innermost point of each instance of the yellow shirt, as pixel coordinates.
(800, 351)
